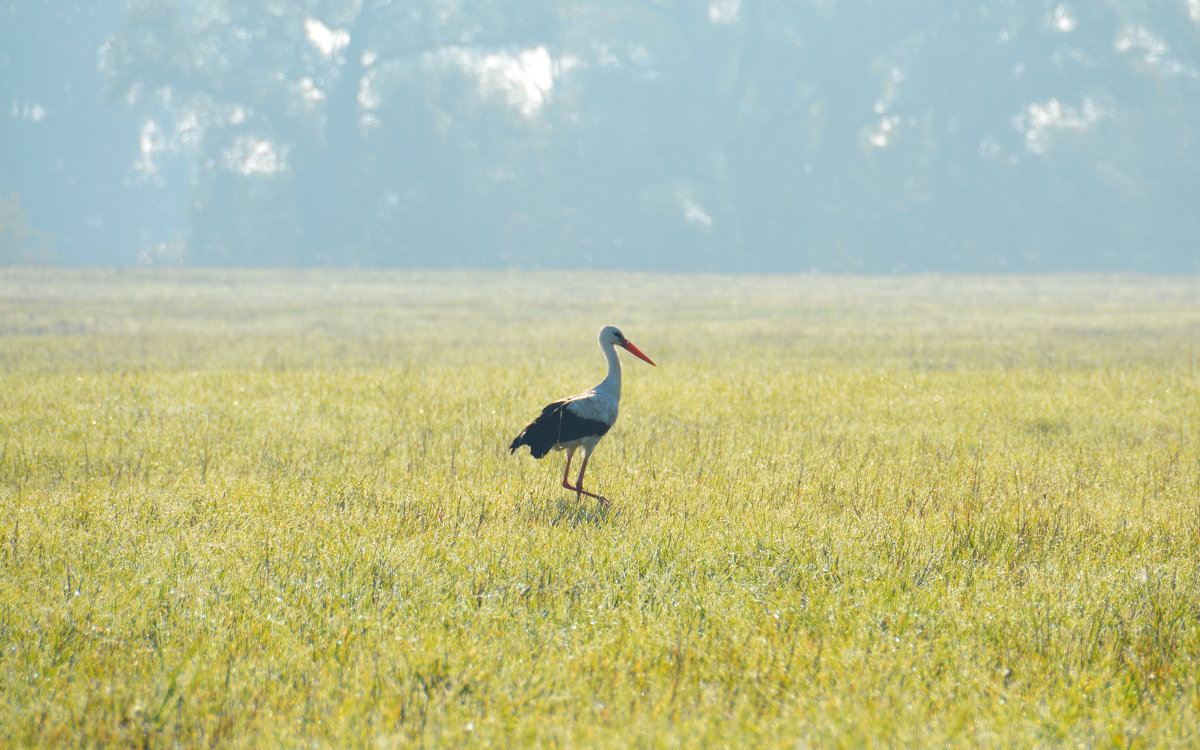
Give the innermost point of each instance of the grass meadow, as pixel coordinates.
(277, 508)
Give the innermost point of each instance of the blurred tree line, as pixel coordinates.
(20, 243)
(728, 135)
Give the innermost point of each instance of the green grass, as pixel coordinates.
(257, 508)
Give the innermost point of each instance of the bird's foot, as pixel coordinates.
(580, 492)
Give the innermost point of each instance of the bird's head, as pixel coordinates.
(612, 335)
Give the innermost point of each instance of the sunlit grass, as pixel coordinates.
(260, 508)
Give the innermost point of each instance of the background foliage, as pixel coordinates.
(656, 134)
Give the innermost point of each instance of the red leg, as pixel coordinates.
(579, 490)
(567, 471)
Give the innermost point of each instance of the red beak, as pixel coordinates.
(637, 352)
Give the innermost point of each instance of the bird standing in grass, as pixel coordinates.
(580, 421)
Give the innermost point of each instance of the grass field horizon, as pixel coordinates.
(277, 507)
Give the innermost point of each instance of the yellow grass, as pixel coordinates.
(253, 508)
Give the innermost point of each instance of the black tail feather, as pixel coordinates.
(541, 434)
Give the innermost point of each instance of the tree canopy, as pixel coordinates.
(729, 135)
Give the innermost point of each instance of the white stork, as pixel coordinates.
(580, 421)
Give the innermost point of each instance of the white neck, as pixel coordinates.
(612, 381)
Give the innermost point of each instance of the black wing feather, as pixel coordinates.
(556, 424)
